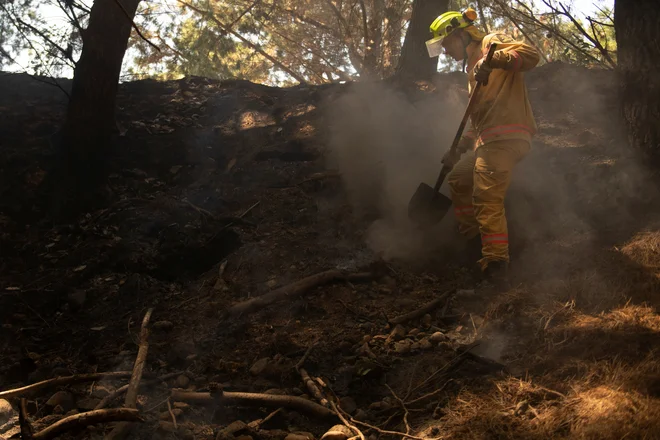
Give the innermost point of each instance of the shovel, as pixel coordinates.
(427, 206)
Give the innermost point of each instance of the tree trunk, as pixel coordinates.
(86, 137)
(415, 63)
(638, 53)
(391, 47)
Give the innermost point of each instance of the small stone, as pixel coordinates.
(414, 346)
(88, 403)
(182, 381)
(438, 337)
(73, 412)
(166, 414)
(366, 339)
(166, 426)
(163, 325)
(58, 409)
(397, 333)
(361, 415)
(426, 321)
(338, 432)
(6, 412)
(181, 405)
(63, 399)
(271, 283)
(298, 436)
(413, 332)
(402, 347)
(348, 404)
(425, 344)
(260, 366)
(275, 392)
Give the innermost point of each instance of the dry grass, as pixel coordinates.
(644, 249)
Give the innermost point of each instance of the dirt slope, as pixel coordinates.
(224, 191)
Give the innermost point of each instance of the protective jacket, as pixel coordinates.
(502, 110)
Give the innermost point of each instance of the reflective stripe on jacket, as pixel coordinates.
(502, 110)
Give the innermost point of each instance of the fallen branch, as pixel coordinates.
(403, 406)
(311, 386)
(257, 423)
(132, 391)
(60, 381)
(121, 390)
(352, 427)
(385, 432)
(421, 311)
(169, 409)
(24, 423)
(431, 394)
(82, 420)
(253, 399)
(294, 289)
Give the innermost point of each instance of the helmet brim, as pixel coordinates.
(434, 46)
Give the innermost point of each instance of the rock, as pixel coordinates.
(260, 367)
(88, 403)
(299, 436)
(361, 415)
(166, 426)
(426, 321)
(166, 414)
(73, 412)
(397, 333)
(100, 392)
(438, 337)
(413, 332)
(63, 399)
(6, 412)
(402, 347)
(348, 404)
(414, 346)
(181, 405)
(163, 325)
(425, 344)
(58, 410)
(229, 431)
(338, 432)
(271, 284)
(182, 381)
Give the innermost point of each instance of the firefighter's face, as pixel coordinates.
(454, 46)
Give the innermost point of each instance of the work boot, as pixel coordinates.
(496, 273)
(471, 252)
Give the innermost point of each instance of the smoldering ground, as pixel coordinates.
(579, 182)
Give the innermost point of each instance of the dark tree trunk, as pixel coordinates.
(637, 35)
(89, 127)
(414, 62)
(391, 47)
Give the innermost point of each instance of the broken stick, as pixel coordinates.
(295, 289)
(132, 391)
(121, 390)
(421, 311)
(59, 381)
(24, 423)
(253, 399)
(86, 419)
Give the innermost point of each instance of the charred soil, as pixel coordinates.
(225, 191)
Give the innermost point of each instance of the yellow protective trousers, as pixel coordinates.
(478, 184)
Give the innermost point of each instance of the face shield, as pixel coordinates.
(434, 46)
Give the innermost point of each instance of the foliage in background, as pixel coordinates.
(287, 41)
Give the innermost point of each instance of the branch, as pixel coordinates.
(231, 25)
(121, 390)
(60, 381)
(579, 27)
(506, 12)
(245, 41)
(253, 399)
(128, 16)
(86, 419)
(66, 53)
(132, 392)
(421, 311)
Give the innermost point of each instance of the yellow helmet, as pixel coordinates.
(444, 25)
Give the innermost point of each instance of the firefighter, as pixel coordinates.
(498, 136)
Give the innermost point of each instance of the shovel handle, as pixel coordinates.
(471, 103)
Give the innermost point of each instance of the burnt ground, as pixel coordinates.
(223, 191)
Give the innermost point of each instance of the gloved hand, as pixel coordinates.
(482, 72)
(450, 159)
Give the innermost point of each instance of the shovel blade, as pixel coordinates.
(427, 206)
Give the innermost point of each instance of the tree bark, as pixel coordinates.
(86, 137)
(638, 53)
(414, 63)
